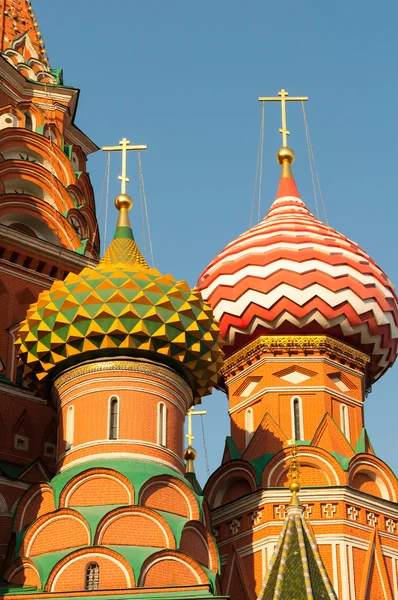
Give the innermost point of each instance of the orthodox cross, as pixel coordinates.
(123, 148)
(284, 97)
(192, 413)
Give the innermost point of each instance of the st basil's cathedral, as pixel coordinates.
(292, 320)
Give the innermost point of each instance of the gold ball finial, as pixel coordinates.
(285, 155)
(190, 453)
(123, 201)
(294, 487)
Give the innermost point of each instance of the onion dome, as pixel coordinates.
(121, 307)
(292, 274)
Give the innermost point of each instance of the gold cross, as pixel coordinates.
(191, 413)
(123, 147)
(283, 97)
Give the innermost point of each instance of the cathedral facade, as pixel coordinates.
(292, 320)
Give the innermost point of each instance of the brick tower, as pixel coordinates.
(48, 228)
(125, 352)
(310, 322)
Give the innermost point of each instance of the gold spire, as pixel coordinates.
(123, 148)
(294, 475)
(190, 453)
(283, 97)
(123, 247)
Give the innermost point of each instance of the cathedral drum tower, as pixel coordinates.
(126, 352)
(310, 322)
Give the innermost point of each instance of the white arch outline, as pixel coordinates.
(163, 558)
(107, 524)
(300, 455)
(56, 518)
(90, 555)
(95, 476)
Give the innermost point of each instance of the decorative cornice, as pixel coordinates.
(304, 343)
(68, 258)
(125, 365)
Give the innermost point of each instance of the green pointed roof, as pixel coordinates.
(122, 307)
(296, 570)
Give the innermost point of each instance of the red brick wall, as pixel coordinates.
(135, 530)
(112, 575)
(167, 572)
(59, 531)
(193, 544)
(166, 498)
(100, 489)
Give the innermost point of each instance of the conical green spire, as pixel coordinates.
(296, 571)
(123, 248)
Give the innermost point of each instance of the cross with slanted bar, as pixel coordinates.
(123, 147)
(284, 97)
(191, 413)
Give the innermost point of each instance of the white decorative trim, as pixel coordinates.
(237, 467)
(345, 591)
(130, 455)
(56, 518)
(81, 482)
(191, 528)
(87, 556)
(22, 568)
(334, 567)
(351, 571)
(102, 531)
(164, 558)
(395, 577)
(37, 492)
(325, 494)
(120, 388)
(378, 480)
(291, 359)
(107, 442)
(301, 455)
(146, 487)
(294, 390)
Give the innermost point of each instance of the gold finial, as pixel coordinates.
(294, 474)
(283, 97)
(123, 203)
(123, 148)
(190, 453)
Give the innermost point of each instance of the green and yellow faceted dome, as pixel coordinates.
(121, 308)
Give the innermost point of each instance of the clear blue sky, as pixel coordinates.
(184, 77)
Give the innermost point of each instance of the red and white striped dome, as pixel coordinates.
(292, 274)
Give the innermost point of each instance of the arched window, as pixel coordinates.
(70, 427)
(113, 418)
(162, 424)
(297, 418)
(345, 421)
(92, 577)
(249, 427)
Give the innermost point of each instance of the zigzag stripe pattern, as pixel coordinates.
(291, 273)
